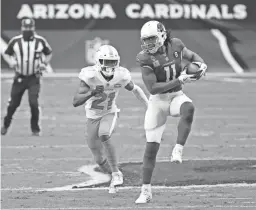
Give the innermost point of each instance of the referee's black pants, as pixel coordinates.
(20, 84)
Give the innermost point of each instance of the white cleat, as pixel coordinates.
(145, 196)
(176, 155)
(117, 178)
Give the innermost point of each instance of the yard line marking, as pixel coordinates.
(245, 139)
(236, 134)
(128, 159)
(41, 172)
(124, 145)
(188, 187)
(139, 207)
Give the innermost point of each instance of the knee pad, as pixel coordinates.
(155, 135)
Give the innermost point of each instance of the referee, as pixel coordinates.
(30, 54)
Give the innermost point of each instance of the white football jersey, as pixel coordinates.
(97, 107)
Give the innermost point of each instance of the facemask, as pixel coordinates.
(27, 35)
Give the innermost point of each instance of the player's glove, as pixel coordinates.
(202, 67)
(186, 78)
(98, 90)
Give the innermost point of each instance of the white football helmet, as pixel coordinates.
(107, 59)
(152, 35)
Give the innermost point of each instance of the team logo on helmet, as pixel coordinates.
(91, 47)
(160, 27)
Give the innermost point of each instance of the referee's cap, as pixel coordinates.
(28, 24)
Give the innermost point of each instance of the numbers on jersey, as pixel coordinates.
(100, 102)
(168, 72)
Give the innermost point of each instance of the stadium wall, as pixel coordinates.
(76, 29)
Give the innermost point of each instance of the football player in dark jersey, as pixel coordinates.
(161, 65)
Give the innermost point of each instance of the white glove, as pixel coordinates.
(202, 67)
(186, 78)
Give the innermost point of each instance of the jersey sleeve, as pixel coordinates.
(47, 50)
(178, 44)
(143, 60)
(86, 74)
(9, 50)
(127, 77)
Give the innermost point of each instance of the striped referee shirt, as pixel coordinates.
(28, 54)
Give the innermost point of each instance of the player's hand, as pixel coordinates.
(98, 90)
(42, 66)
(186, 78)
(202, 67)
(13, 64)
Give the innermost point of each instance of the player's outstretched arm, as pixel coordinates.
(82, 95)
(138, 92)
(155, 87)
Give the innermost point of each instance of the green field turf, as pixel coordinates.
(220, 150)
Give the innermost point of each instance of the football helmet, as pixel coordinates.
(152, 35)
(107, 59)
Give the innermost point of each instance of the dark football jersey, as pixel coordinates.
(166, 66)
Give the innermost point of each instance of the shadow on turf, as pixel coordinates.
(199, 172)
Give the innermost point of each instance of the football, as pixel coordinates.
(192, 68)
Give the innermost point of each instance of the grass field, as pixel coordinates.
(219, 171)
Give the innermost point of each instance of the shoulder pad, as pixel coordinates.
(143, 59)
(178, 43)
(87, 73)
(126, 73)
(15, 38)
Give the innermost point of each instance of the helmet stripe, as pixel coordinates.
(111, 52)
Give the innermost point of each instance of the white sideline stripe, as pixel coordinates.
(188, 187)
(41, 172)
(126, 145)
(226, 52)
(133, 74)
(163, 159)
(141, 207)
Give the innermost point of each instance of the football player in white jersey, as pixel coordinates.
(99, 88)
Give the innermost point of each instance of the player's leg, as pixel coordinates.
(155, 120)
(33, 95)
(17, 91)
(182, 106)
(106, 128)
(95, 144)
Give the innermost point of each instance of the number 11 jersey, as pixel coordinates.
(166, 65)
(98, 106)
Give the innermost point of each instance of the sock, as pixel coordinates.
(111, 155)
(178, 147)
(149, 161)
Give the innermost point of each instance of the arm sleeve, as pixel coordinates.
(47, 50)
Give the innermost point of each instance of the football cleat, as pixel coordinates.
(176, 155)
(117, 179)
(4, 130)
(145, 196)
(36, 133)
